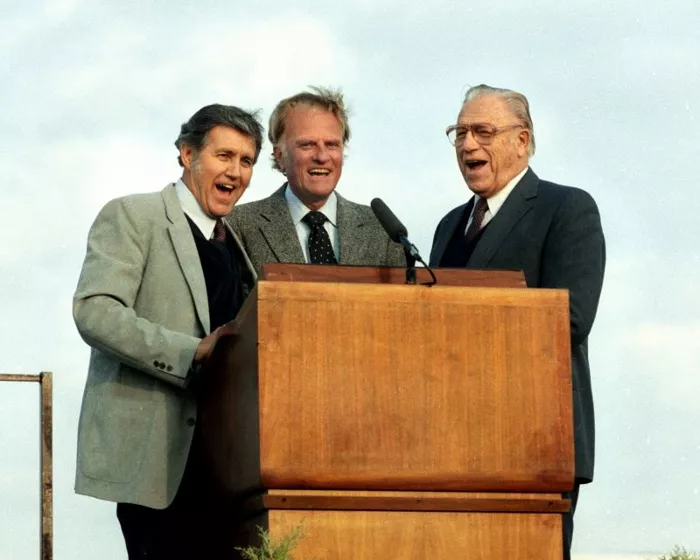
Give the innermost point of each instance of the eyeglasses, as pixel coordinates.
(483, 133)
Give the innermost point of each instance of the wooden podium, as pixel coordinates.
(396, 421)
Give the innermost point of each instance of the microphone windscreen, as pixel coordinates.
(391, 224)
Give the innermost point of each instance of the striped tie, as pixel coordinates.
(477, 218)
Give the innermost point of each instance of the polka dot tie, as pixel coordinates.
(477, 218)
(320, 248)
(219, 230)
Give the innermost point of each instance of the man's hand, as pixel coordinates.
(207, 344)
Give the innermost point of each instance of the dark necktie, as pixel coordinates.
(477, 218)
(219, 230)
(320, 248)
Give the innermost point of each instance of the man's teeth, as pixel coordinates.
(473, 164)
(319, 171)
(225, 187)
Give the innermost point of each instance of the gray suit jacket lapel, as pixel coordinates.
(518, 203)
(350, 224)
(278, 229)
(186, 251)
(447, 233)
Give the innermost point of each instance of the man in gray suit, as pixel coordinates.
(306, 221)
(517, 221)
(162, 280)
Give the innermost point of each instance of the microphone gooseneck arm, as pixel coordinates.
(398, 233)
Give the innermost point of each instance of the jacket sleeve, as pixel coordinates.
(573, 258)
(103, 304)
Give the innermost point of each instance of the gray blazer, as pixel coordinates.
(141, 304)
(554, 235)
(266, 229)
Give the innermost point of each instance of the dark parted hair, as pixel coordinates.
(193, 133)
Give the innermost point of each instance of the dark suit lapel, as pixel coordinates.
(278, 229)
(187, 255)
(350, 227)
(447, 231)
(518, 203)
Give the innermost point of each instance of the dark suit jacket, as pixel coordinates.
(553, 233)
(265, 227)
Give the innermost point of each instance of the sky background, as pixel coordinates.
(93, 94)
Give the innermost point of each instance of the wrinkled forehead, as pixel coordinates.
(490, 109)
(305, 119)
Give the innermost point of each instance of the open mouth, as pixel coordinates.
(224, 188)
(318, 171)
(474, 164)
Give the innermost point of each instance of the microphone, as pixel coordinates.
(391, 224)
(394, 228)
(397, 232)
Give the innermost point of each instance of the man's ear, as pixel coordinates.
(187, 155)
(523, 141)
(277, 152)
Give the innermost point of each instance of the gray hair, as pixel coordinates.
(328, 99)
(193, 133)
(516, 102)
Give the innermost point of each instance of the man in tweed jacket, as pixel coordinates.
(162, 280)
(308, 132)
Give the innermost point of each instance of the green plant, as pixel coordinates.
(271, 549)
(680, 553)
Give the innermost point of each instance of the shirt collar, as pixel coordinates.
(495, 202)
(298, 209)
(190, 205)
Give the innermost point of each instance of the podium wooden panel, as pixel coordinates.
(343, 387)
(416, 535)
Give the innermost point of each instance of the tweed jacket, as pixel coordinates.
(266, 229)
(141, 304)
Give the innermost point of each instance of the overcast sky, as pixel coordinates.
(93, 94)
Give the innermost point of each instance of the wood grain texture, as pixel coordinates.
(414, 501)
(229, 406)
(403, 387)
(46, 465)
(390, 275)
(20, 377)
(347, 386)
(354, 535)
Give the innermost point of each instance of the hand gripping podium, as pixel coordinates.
(395, 421)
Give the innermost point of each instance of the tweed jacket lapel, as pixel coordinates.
(518, 203)
(350, 227)
(447, 233)
(278, 230)
(186, 252)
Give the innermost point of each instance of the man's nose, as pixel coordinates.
(469, 143)
(234, 168)
(321, 153)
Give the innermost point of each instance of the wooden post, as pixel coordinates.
(46, 457)
(46, 466)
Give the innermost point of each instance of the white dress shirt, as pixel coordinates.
(496, 201)
(190, 205)
(298, 210)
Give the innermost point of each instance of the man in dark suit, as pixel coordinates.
(162, 280)
(517, 221)
(306, 221)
